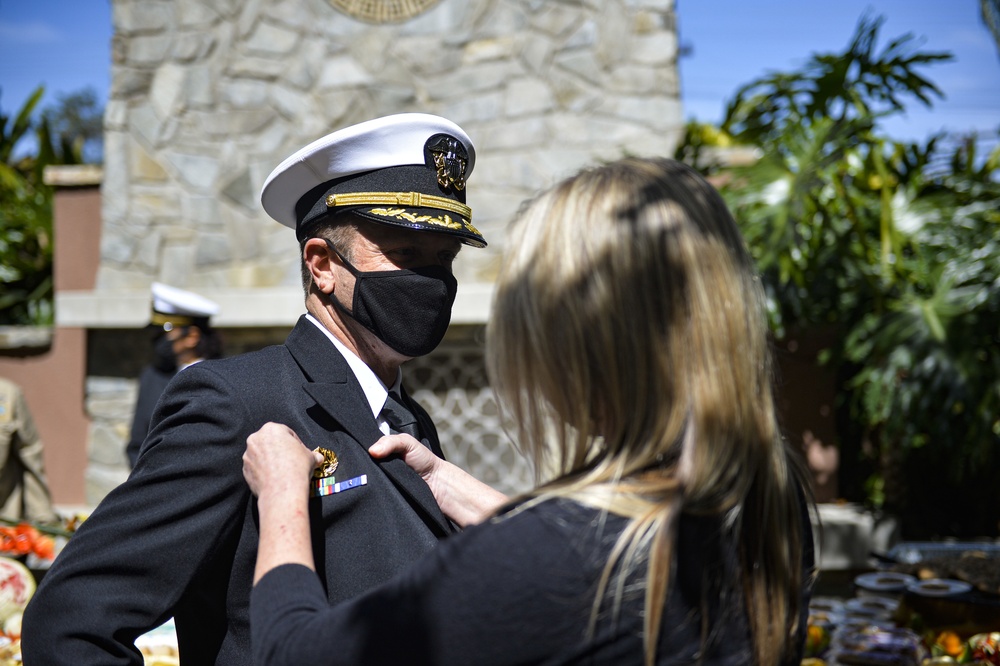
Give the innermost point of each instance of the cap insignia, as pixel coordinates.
(450, 159)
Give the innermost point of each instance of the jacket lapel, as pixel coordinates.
(332, 384)
(424, 423)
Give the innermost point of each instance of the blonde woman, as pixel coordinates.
(628, 343)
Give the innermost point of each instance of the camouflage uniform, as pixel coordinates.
(24, 492)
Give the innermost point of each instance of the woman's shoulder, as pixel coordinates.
(550, 529)
(554, 534)
(557, 515)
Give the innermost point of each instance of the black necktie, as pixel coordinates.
(399, 418)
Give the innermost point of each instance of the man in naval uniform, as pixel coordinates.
(183, 336)
(380, 214)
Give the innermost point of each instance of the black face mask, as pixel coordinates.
(407, 309)
(163, 354)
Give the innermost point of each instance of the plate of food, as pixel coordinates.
(884, 581)
(938, 587)
(872, 604)
(826, 605)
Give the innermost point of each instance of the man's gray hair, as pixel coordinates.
(341, 230)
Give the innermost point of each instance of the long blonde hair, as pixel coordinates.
(628, 343)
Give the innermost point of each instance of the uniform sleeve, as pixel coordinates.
(129, 564)
(152, 383)
(496, 594)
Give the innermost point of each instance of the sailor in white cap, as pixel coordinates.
(182, 335)
(380, 212)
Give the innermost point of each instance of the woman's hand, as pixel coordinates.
(277, 466)
(417, 456)
(462, 498)
(276, 461)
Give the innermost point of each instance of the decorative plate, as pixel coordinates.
(938, 587)
(383, 11)
(884, 581)
(872, 604)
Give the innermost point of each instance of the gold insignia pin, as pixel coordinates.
(450, 160)
(328, 466)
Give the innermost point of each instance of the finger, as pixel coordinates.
(267, 427)
(391, 444)
(398, 443)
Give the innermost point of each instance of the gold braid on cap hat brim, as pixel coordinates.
(159, 318)
(412, 199)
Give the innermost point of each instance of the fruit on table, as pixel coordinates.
(817, 639)
(950, 644)
(985, 647)
(17, 585)
(23, 539)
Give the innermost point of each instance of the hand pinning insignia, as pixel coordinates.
(328, 466)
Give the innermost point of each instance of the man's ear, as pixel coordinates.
(319, 261)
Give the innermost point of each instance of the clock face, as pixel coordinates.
(383, 11)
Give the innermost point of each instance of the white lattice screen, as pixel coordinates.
(451, 385)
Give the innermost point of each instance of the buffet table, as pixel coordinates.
(927, 603)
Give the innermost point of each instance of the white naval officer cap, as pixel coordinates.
(178, 307)
(408, 170)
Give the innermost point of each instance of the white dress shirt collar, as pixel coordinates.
(375, 391)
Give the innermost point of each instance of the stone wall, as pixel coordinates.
(208, 96)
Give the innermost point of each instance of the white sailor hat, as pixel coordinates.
(409, 170)
(177, 307)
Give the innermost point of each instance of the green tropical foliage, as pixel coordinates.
(26, 287)
(893, 247)
(76, 125)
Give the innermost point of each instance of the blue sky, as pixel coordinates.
(66, 44)
(735, 41)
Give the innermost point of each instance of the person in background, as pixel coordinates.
(628, 344)
(183, 335)
(380, 213)
(24, 491)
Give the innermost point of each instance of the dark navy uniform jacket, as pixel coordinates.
(152, 383)
(179, 537)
